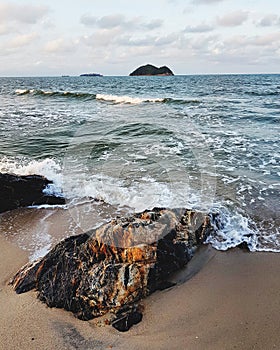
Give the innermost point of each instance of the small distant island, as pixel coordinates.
(149, 69)
(91, 75)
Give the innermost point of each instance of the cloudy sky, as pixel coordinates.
(54, 37)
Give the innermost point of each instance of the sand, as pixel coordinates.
(228, 300)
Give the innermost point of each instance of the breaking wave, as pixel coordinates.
(117, 99)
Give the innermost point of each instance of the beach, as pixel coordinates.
(229, 301)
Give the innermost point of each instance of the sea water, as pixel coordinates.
(208, 142)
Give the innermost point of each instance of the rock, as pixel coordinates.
(91, 75)
(149, 69)
(111, 268)
(125, 320)
(20, 191)
(243, 246)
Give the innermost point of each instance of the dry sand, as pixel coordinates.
(232, 302)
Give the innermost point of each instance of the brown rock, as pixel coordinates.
(116, 265)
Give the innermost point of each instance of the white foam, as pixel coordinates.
(22, 91)
(47, 167)
(232, 228)
(126, 99)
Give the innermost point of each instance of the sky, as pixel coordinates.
(65, 37)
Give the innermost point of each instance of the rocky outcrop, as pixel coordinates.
(113, 267)
(149, 69)
(20, 191)
(91, 75)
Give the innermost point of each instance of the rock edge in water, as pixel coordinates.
(21, 191)
(111, 268)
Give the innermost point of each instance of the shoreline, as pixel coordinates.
(229, 301)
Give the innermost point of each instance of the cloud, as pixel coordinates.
(107, 22)
(60, 45)
(233, 19)
(128, 40)
(102, 37)
(166, 40)
(242, 41)
(269, 21)
(17, 43)
(88, 20)
(4, 28)
(22, 40)
(200, 28)
(119, 20)
(206, 2)
(153, 24)
(113, 21)
(27, 13)
(152, 41)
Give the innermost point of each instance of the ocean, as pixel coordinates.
(207, 142)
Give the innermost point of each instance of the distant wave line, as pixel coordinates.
(117, 99)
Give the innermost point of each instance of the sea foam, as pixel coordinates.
(126, 99)
(47, 167)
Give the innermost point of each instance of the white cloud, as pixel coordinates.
(129, 40)
(200, 28)
(168, 40)
(120, 21)
(4, 28)
(22, 40)
(102, 37)
(88, 20)
(153, 24)
(60, 45)
(22, 13)
(241, 42)
(206, 2)
(269, 20)
(17, 44)
(111, 21)
(233, 19)
(107, 22)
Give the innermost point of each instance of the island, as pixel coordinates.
(91, 75)
(149, 69)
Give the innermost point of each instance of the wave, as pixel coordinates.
(137, 100)
(36, 92)
(182, 101)
(127, 99)
(47, 167)
(117, 99)
(263, 93)
(233, 227)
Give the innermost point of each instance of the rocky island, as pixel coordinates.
(149, 69)
(91, 75)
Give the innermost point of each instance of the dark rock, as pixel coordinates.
(165, 285)
(125, 321)
(91, 75)
(149, 69)
(20, 191)
(113, 267)
(243, 246)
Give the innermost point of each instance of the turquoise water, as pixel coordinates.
(207, 142)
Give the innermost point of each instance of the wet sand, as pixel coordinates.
(229, 300)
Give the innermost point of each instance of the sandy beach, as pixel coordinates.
(230, 300)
